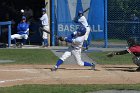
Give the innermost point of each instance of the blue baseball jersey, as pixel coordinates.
(22, 28)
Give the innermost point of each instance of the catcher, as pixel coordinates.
(133, 48)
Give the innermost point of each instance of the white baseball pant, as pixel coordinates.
(76, 53)
(45, 35)
(87, 32)
(18, 36)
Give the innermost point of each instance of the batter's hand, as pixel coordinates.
(75, 19)
(111, 54)
(61, 38)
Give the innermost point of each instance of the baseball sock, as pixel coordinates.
(14, 41)
(46, 42)
(59, 62)
(87, 64)
(24, 41)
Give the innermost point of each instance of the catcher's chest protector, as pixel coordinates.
(135, 49)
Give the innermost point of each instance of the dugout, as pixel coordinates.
(10, 11)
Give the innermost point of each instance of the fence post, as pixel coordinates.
(52, 22)
(105, 25)
(9, 35)
(9, 31)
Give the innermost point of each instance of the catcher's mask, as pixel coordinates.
(133, 41)
(136, 60)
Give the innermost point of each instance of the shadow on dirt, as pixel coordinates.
(127, 69)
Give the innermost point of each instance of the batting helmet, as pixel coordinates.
(133, 41)
(43, 9)
(81, 31)
(80, 12)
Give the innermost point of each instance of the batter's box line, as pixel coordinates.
(14, 80)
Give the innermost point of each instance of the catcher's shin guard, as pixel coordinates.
(136, 60)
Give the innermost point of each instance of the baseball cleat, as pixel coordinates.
(19, 45)
(138, 69)
(93, 66)
(54, 68)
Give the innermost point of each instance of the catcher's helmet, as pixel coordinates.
(133, 41)
(81, 31)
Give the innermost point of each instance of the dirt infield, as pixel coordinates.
(68, 74)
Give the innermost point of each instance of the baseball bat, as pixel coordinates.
(46, 4)
(48, 32)
(76, 18)
(86, 10)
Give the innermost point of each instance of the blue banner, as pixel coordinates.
(68, 9)
(96, 18)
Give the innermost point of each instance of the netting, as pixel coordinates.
(123, 21)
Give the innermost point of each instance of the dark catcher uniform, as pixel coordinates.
(134, 48)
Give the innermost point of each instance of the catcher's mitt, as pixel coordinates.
(111, 54)
(61, 38)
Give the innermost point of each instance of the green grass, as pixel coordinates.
(44, 56)
(28, 56)
(117, 40)
(101, 58)
(66, 88)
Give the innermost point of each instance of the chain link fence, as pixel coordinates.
(123, 21)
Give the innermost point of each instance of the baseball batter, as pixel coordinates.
(45, 25)
(76, 39)
(83, 21)
(23, 31)
(134, 48)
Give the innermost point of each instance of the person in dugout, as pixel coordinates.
(22, 33)
(133, 48)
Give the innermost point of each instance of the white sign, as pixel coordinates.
(72, 28)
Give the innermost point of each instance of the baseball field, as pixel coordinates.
(28, 71)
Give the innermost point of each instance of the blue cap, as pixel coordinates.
(80, 12)
(23, 17)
